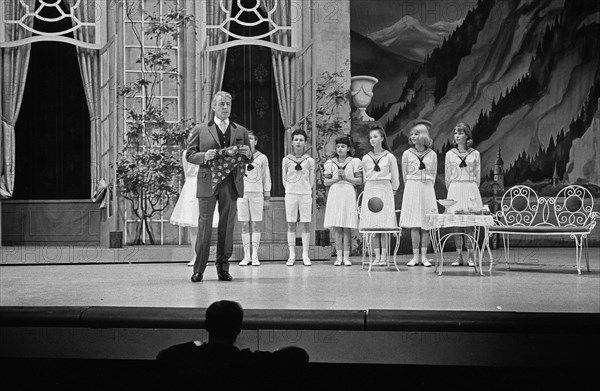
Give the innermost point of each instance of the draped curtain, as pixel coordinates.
(284, 67)
(14, 63)
(89, 68)
(214, 67)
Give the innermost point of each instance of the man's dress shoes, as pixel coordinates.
(196, 277)
(224, 276)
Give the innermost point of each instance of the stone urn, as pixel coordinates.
(361, 90)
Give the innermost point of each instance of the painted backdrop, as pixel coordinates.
(524, 74)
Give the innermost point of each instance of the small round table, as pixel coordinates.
(436, 221)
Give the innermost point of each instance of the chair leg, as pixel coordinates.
(578, 250)
(506, 245)
(364, 248)
(587, 253)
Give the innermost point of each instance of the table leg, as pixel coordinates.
(397, 235)
(486, 244)
(434, 235)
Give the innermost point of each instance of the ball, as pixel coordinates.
(375, 204)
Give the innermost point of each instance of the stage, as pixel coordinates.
(531, 325)
(538, 280)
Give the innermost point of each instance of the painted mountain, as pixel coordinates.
(526, 76)
(412, 39)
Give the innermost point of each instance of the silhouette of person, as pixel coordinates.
(219, 363)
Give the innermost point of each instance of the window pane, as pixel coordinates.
(171, 109)
(132, 56)
(152, 7)
(172, 53)
(169, 41)
(169, 5)
(169, 84)
(133, 104)
(130, 37)
(132, 77)
(133, 9)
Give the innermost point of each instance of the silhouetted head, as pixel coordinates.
(224, 320)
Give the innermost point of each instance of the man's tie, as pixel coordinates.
(223, 127)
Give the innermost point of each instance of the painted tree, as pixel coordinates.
(149, 166)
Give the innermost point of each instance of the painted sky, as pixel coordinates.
(367, 16)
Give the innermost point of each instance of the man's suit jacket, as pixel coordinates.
(204, 137)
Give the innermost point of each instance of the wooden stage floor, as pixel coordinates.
(539, 280)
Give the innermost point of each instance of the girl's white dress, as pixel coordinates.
(340, 210)
(185, 213)
(463, 179)
(379, 190)
(419, 194)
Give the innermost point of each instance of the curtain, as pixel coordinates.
(89, 68)
(214, 62)
(14, 62)
(284, 67)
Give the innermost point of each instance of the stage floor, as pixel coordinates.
(539, 280)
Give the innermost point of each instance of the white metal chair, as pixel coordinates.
(369, 233)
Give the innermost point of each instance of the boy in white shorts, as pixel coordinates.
(298, 173)
(257, 190)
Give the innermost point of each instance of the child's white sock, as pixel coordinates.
(347, 258)
(377, 256)
(246, 244)
(255, 245)
(415, 259)
(424, 259)
(305, 244)
(291, 239)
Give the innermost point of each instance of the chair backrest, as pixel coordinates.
(374, 203)
(573, 207)
(519, 206)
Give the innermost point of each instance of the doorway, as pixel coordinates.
(52, 133)
(249, 79)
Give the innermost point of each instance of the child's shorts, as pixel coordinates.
(250, 207)
(295, 203)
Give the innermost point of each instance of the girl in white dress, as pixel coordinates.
(342, 173)
(419, 167)
(185, 213)
(462, 176)
(382, 179)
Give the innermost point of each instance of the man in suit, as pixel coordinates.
(203, 145)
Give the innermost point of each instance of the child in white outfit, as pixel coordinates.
(298, 174)
(382, 179)
(257, 190)
(419, 168)
(342, 172)
(462, 176)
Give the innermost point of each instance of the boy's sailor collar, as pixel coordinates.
(293, 157)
